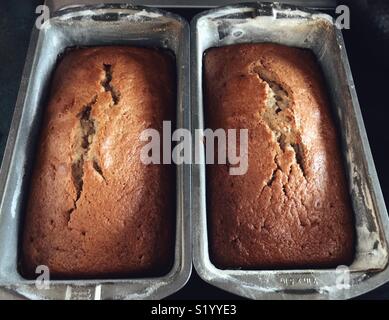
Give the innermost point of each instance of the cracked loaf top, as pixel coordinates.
(94, 209)
(291, 209)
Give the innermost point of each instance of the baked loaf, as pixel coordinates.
(95, 210)
(291, 209)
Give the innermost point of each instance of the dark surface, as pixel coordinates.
(16, 20)
(369, 67)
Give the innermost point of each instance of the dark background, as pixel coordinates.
(367, 45)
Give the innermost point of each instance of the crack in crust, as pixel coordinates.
(273, 175)
(279, 118)
(88, 130)
(107, 85)
(98, 169)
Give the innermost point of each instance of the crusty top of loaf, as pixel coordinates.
(291, 208)
(94, 209)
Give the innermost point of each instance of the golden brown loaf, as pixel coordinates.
(94, 209)
(291, 209)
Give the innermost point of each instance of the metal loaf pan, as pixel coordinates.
(271, 22)
(88, 26)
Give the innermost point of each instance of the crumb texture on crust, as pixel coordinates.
(94, 209)
(291, 209)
